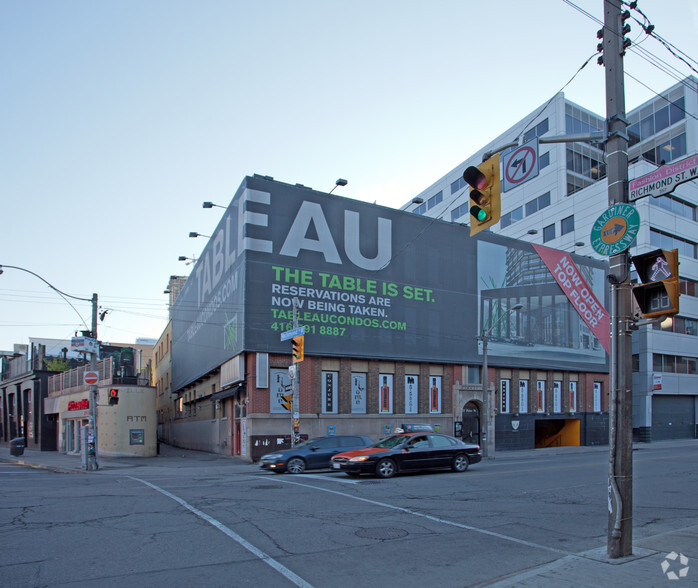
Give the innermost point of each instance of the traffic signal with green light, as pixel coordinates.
(485, 194)
(658, 294)
(114, 396)
(298, 344)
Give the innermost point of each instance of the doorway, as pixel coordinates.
(471, 424)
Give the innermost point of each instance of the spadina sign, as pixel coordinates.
(575, 287)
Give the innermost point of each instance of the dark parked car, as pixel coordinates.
(311, 454)
(408, 451)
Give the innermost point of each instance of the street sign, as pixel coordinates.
(84, 344)
(90, 378)
(520, 165)
(286, 335)
(615, 229)
(664, 179)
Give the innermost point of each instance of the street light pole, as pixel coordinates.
(92, 429)
(487, 402)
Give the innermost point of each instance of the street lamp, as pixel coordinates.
(93, 355)
(487, 403)
(211, 205)
(339, 182)
(194, 234)
(186, 260)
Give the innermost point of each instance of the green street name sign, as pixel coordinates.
(615, 229)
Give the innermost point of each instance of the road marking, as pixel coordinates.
(436, 519)
(267, 559)
(340, 480)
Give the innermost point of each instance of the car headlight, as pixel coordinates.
(359, 458)
(272, 456)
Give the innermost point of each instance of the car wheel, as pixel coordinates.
(460, 463)
(385, 468)
(295, 465)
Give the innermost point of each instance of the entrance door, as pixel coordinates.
(238, 438)
(471, 424)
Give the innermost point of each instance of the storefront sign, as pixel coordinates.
(79, 405)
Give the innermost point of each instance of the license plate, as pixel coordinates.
(335, 466)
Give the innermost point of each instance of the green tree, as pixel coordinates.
(57, 364)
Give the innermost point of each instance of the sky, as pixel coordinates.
(119, 118)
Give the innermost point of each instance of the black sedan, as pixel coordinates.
(408, 451)
(311, 454)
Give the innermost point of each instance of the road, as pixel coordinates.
(235, 525)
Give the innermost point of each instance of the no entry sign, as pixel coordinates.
(91, 378)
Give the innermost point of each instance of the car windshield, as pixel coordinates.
(390, 442)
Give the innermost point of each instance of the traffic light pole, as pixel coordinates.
(295, 384)
(92, 430)
(620, 470)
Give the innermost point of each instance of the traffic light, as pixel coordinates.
(298, 343)
(485, 194)
(113, 396)
(658, 294)
(287, 402)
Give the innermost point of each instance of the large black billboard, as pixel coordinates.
(370, 282)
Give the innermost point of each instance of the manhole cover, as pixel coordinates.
(381, 533)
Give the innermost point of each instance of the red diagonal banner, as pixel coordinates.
(575, 287)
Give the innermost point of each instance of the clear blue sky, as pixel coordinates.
(119, 118)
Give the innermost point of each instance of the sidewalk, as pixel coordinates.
(648, 566)
(171, 458)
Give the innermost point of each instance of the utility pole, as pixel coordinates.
(91, 448)
(620, 470)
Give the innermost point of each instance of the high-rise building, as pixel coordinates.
(552, 193)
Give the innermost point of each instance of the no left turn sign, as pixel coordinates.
(521, 164)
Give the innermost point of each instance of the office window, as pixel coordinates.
(512, 217)
(548, 233)
(421, 209)
(538, 203)
(567, 225)
(544, 160)
(460, 211)
(435, 199)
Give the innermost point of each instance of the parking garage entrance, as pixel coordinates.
(558, 433)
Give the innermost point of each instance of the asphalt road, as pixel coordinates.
(235, 525)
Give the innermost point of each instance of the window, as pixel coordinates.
(687, 287)
(538, 203)
(662, 240)
(421, 209)
(511, 217)
(457, 185)
(567, 225)
(548, 233)
(435, 199)
(438, 441)
(538, 131)
(460, 211)
(636, 362)
(544, 160)
(675, 206)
